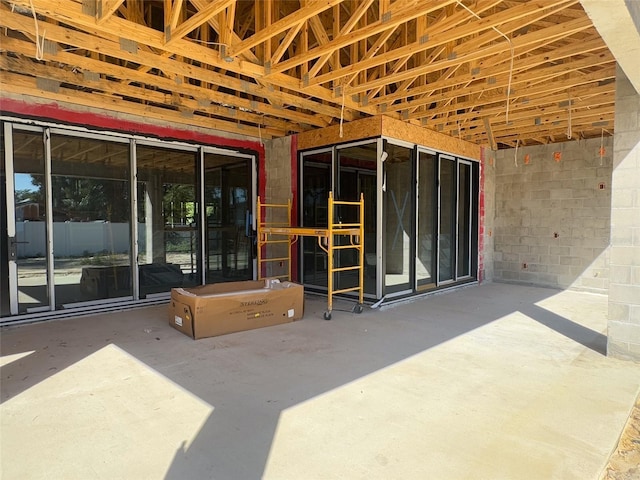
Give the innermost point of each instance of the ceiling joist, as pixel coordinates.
(276, 67)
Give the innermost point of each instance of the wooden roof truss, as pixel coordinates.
(488, 71)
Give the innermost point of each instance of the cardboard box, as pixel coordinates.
(221, 308)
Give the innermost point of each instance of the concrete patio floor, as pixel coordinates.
(489, 382)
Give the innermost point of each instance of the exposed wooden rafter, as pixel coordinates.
(174, 33)
(274, 67)
(106, 8)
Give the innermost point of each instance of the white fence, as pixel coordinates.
(74, 239)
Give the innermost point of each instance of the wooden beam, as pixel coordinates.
(526, 42)
(212, 9)
(226, 28)
(337, 61)
(449, 68)
(285, 43)
(534, 114)
(313, 8)
(71, 13)
(259, 23)
(106, 8)
(201, 4)
(319, 32)
(558, 116)
(402, 16)
(521, 84)
(498, 74)
(351, 23)
(489, 105)
(543, 89)
(470, 53)
(176, 68)
(173, 11)
(487, 127)
(145, 94)
(302, 46)
(22, 85)
(588, 121)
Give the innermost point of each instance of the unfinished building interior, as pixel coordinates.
(491, 140)
(137, 136)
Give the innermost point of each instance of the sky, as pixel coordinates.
(23, 182)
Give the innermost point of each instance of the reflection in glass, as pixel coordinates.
(398, 208)
(316, 185)
(30, 217)
(227, 193)
(5, 306)
(446, 250)
(425, 260)
(91, 219)
(464, 219)
(357, 174)
(167, 219)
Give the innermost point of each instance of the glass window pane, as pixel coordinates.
(425, 259)
(5, 307)
(227, 186)
(446, 240)
(357, 174)
(168, 240)
(30, 217)
(316, 185)
(464, 219)
(398, 218)
(91, 219)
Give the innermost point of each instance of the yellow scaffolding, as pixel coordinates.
(280, 231)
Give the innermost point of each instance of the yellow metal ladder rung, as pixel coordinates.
(326, 237)
(346, 269)
(281, 259)
(338, 226)
(345, 247)
(345, 290)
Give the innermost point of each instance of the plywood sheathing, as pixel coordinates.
(428, 138)
(356, 130)
(382, 125)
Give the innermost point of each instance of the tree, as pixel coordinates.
(88, 199)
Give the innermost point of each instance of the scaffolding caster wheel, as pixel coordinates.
(327, 315)
(358, 308)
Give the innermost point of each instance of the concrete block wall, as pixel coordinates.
(278, 190)
(623, 339)
(553, 215)
(487, 213)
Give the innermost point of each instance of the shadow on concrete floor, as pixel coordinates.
(252, 377)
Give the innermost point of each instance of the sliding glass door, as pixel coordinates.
(25, 261)
(88, 218)
(465, 218)
(316, 185)
(398, 208)
(228, 207)
(351, 174)
(167, 211)
(426, 220)
(421, 216)
(357, 175)
(447, 189)
(91, 213)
